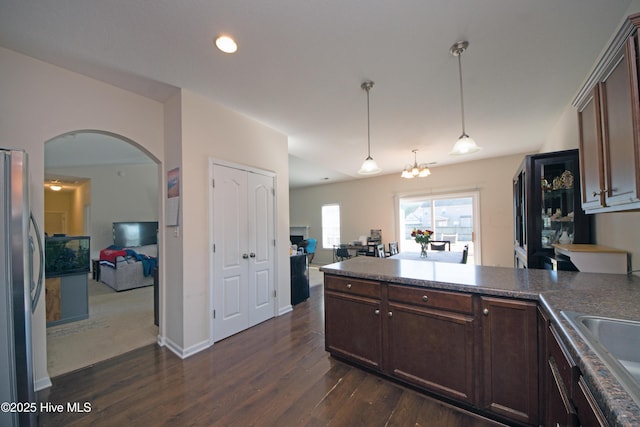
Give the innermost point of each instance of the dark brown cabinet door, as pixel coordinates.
(510, 358)
(609, 125)
(353, 328)
(432, 349)
(591, 165)
(589, 414)
(618, 94)
(559, 408)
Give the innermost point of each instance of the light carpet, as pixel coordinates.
(118, 322)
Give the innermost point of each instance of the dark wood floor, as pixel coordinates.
(275, 374)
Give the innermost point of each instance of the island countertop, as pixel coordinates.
(610, 295)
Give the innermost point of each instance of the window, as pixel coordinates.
(452, 217)
(330, 226)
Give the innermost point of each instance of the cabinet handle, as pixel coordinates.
(485, 311)
(598, 193)
(377, 312)
(425, 298)
(348, 285)
(390, 314)
(245, 256)
(252, 255)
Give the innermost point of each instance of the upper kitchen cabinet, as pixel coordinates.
(547, 209)
(608, 119)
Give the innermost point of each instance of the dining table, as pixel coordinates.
(436, 256)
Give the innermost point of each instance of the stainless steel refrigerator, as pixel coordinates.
(19, 291)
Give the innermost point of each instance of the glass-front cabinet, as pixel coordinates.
(547, 209)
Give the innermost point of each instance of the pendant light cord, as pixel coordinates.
(464, 132)
(367, 86)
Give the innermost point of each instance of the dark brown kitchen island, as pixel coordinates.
(473, 334)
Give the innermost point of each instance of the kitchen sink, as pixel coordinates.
(616, 342)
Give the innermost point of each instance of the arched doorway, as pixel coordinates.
(105, 179)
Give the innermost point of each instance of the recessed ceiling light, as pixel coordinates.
(226, 44)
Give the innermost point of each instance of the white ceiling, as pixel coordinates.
(300, 65)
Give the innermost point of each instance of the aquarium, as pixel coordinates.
(66, 255)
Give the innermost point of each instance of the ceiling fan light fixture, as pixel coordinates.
(465, 144)
(226, 44)
(369, 167)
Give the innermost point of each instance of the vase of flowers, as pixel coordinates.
(423, 237)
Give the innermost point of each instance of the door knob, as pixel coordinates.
(245, 256)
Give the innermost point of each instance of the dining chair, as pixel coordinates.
(451, 237)
(440, 245)
(340, 253)
(393, 248)
(465, 254)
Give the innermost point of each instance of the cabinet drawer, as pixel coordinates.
(566, 368)
(589, 413)
(367, 288)
(444, 300)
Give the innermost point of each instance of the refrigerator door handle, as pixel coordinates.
(38, 287)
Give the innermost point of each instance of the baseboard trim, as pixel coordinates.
(285, 310)
(42, 383)
(184, 353)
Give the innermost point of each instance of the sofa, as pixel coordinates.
(128, 268)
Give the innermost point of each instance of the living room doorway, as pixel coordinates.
(105, 178)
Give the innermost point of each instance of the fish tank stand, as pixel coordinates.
(67, 268)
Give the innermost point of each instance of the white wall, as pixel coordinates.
(118, 193)
(209, 130)
(39, 102)
(368, 203)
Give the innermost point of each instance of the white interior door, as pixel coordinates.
(231, 284)
(261, 244)
(243, 259)
(55, 222)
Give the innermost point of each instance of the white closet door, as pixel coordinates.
(261, 243)
(231, 275)
(244, 237)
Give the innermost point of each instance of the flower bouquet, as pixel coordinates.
(423, 237)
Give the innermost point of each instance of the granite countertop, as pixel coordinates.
(609, 295)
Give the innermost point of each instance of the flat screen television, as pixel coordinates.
(132, 234)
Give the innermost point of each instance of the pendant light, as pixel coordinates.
(415, 170)
(369, 167)
(465, 144)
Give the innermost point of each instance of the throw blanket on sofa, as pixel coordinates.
(111, 254)
(109, 257)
